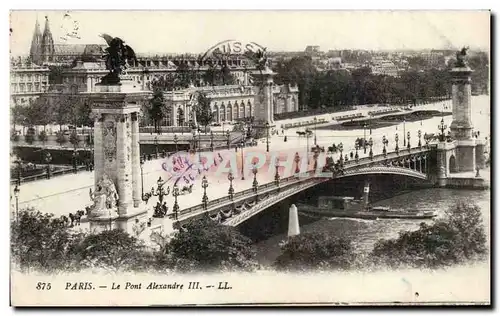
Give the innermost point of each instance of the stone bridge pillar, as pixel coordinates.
(116, 150)
(264, 107)
(461, 127)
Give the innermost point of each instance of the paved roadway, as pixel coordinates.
(65, 194)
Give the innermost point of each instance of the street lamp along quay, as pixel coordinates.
(230, 192)
(242, 161)
(370, 143)
(396, 139)
(204, 185)
(48, 159)
(408, 136)
(156, 145)
(175, 209)
(364, 138)
(341, 148)
(16, 195)
(442, 127)
(176, 139)
(267, 136)
(277, 174)
(255, 184)
(141, 163)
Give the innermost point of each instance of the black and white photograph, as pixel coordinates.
(250, 158)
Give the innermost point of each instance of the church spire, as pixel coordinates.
(36, 44)
(47, 43)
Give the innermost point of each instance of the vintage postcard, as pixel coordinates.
(169, 158)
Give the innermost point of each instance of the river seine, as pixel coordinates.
(365, 233)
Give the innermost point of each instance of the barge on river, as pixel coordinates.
(348, 207)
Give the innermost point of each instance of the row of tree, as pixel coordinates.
(338, 88)
(65, 109)
(43, 243)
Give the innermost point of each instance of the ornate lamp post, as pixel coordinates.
(175, 209)
(176, 139)
(16, 195)
(408, 136)
(370, 124)
(255, 184)
(48, 159)
(404, 132)
(242, 161)
(315, 157)
(277, 174)
(141, 163)
(74, 157)
(194, 140)
(340, 148)
(396, 139)
(356, 156)
(384, 141)
(156, 145)
(19, 170)
(160, 192)
(315, 122)
(267, 136)
(297, 160)
(442, 127)
(364, 138)
(204, 185)
(370, 143)
(230, 192)
(228, 135)
(419, 139)
(211, 140)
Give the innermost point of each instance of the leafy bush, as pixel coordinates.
(42, 136)
(61, 138)
(40, 242)
(113, 250)
(204, 245)
(456, 238)
(312, 251)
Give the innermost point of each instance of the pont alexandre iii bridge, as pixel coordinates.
(234, 210)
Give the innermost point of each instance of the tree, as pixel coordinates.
(204, 113)
(155, 108)
(204, 245)
(62, 110)
(458, 237)
(38, 241)
(311, 251)
(113, 250)
(18, 115)
(41, 112)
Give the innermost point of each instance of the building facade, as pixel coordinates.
(228, 103)
(27, 82)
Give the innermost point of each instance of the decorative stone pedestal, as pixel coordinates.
(264, 108)
(116, 109)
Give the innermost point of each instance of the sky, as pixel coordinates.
(196, 31)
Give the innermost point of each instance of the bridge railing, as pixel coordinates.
(302, 176)
(225, 200)
(42, 176)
